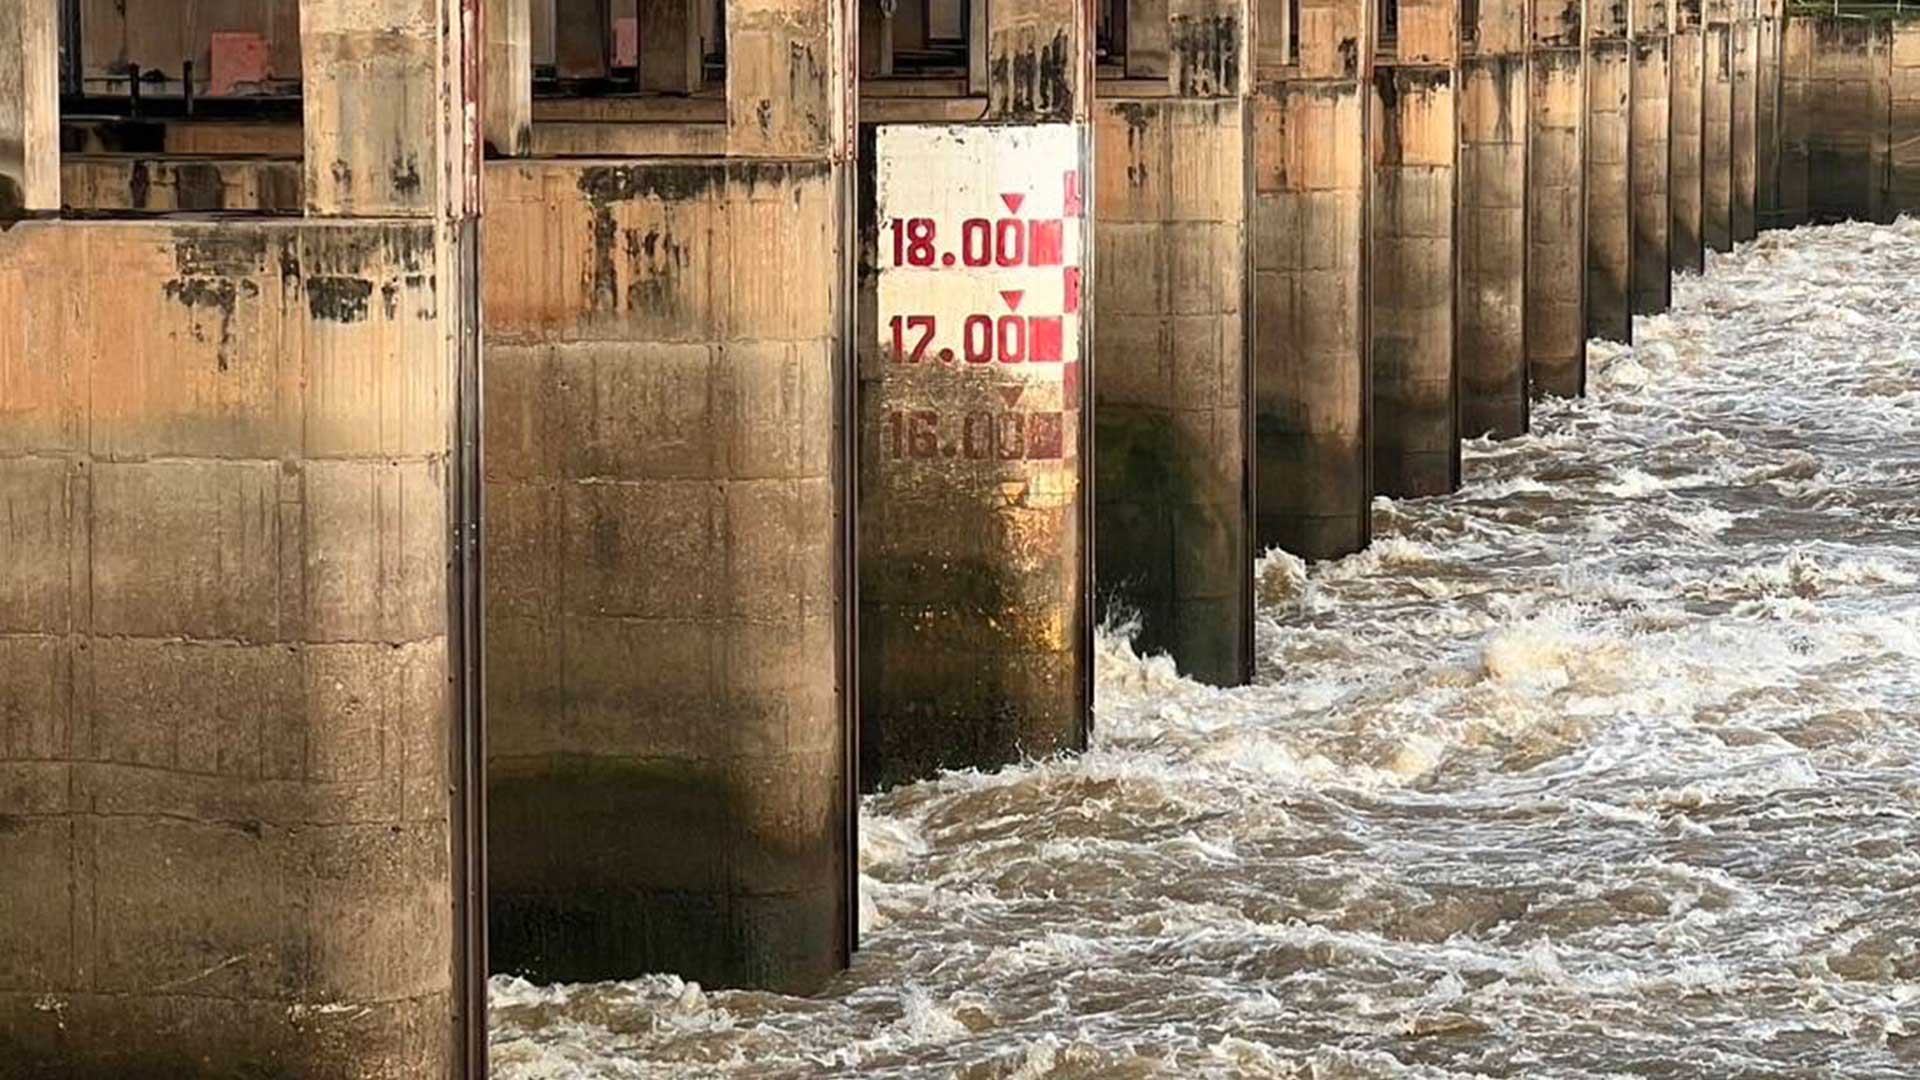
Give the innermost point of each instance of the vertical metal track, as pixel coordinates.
(466, 673)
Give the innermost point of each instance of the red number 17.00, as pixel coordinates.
(901, 325)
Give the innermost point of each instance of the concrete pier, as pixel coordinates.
(1745, 147)
(1491, 351)
(1556, 202)
(1796, 119)
(1903, 115)
(1766, 123)
(975, 628)
(1716, 206)
(239, 792)
(1173, 472)
(1312, 391)
(1410, 253)
(1609, 170)
(669, 774)
(1686, 148)
(1651, 157)
(1849, 57)
(29, 106)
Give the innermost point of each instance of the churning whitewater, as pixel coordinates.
(1606, 766)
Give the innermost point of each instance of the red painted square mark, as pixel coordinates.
(1045, 438)
(1074, 204)
(1045, 336)
(1070, 387)
(1072, 305)
(239, 60)
(626, 43)
(1045, 246)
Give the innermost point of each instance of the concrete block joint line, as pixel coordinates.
(801, 375)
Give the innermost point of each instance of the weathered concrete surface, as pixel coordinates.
(1311, 384)
(1172, 472)
(223, 650)
(1766, 206)
(1410, 254)
(121, 182)
(1652, 209)
(1745, 148)
(582, 33)
(29, 106)
(1716, 156)
(508, 68)
(667, 487)
(1903, 166)
(1491, 353)
(1796, 119)
(1609, 171)
(1849, 59)
(662, 519)
(975, 629)
(1556, 203)
(1686, 179)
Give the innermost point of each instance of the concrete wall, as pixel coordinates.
(1745, 147)
(1410, 254)
(1172, 473)
(668, 766)
(1492, 223)
(1609, 169)
(1716, 206)
(1652, 161)
(119, 182)
(974, 594)
(223, 650)
(1556, 203)
(1311, 384)
(1686, 107)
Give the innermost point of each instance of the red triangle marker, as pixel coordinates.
(1010, 394)
(1013, 297)
(1013, 201)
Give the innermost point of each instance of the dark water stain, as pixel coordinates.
(198, 186)
(221, 294)
(406, 174)
(139, 186)
(1206, 54)
(339, 299)
(1030, 79)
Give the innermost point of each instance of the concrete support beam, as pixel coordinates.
(375, 110)
(975, 628)
(670, 54)
(1766, 206)
(1651, 156)
(1556, 202)
(1172, 471)
(1492, 223)
(669, 774)
(1716, 156)
(1609, 171)
(508, 94)
(1410, 254)
(542, 16)
(1312, 392)
(1745, 33)
(1796, 118)
(29, 106)
(1686, 173)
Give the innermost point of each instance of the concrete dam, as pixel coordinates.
(961, 538)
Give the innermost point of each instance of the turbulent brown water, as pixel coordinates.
(1606, 766)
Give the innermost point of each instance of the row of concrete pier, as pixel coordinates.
(484, 484)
